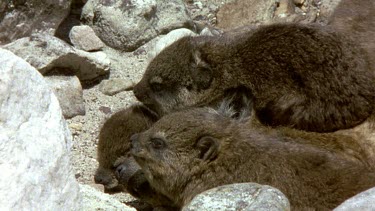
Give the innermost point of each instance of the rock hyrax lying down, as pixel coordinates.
(306, 77)
(114, 142)
(188, 152)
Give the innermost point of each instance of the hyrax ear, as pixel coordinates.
(208, 147)
(201, 71)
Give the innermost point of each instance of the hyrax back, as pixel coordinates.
(301, 76)
(114, 142)
(188, 152)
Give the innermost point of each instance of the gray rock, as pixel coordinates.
(22, 18)
(116, 85)
(35, 142)
(364, 201)
(240, 196)
(95, 200)
(167, 40)
(327, 7)
(48, 53)
(84, 38)
(68, 91)
(245, 12)
(126, 25)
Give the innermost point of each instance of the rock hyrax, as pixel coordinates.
(188, 152)
(306, 77)
(114, 142)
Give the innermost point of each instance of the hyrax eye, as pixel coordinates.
(157, 143)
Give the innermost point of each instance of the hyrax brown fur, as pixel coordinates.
(117, 170)
(188, 152)
(306, 77)
(114, 142)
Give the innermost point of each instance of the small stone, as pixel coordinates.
(75, 126)
(105, 109)
(114, 86)
(84, 38)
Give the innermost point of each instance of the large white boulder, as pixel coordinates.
(35, 142)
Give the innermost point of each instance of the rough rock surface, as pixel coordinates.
(362, 201)
(68, 91)
(84, 38)
(240, 196)
(244, 12)
(35, 142)
(254, 12)
(126, 25)
(95, 200)
(50, 54)
(20, 18)
(327, 7)
(116, 85)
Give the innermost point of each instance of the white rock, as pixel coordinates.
(167, 40)
(245, 12)
(240, 196)
(35, 170)
(126, 25)
(84, 38)
(22, 18)
(47, 53)
(68, 91)
(95, 200)
(116, 85)
(364, 201)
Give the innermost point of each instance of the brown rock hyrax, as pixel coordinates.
(306, 77)
(188, 152)
(114, 142)
(113, 147)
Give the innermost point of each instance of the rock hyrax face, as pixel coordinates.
(114, 142)
(175, 79)
(170, 148)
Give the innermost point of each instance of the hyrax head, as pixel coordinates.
(178, 147)
(114, 142)
(178, 77)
